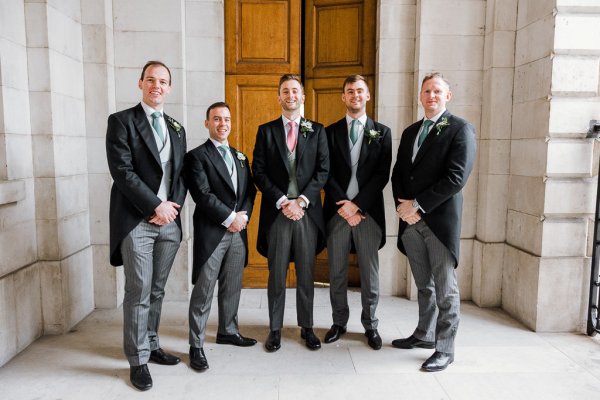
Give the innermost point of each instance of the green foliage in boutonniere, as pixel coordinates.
(373, 135)
(441, 125)
(241, 157)
(306, 127)
(175, 125)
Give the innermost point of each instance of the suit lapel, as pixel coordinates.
(364, 149)
(431, 138)
(241, 174)
(216, 159)
(145, 130)
(279, 138)
(175, 144)
(301, 143)
(343, 140)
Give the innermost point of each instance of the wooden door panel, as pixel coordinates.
(262, 36)
(339, 38)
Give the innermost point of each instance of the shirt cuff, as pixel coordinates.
(229, 220)
(305, 200)
(281, 200)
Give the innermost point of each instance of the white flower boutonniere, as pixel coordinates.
(241, 157)
(175, 125)
(373, 135)
(441, 125)
(306, 127)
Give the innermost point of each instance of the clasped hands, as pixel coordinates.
(407, 213)
(239, 222)
(165, 213)
(292, 210)
(350, 212)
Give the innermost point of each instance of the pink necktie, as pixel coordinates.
(291, 136)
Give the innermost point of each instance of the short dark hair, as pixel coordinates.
(154, 62)
(289, 77)
(433, 75)
(354, 79)
(218, 104)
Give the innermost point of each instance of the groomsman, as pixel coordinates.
(360, 152)
(435, 158)
(290, 167)
(145, 149)
(219, 180)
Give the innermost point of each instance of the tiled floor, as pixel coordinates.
(496, 358)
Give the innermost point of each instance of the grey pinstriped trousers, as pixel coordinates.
(148, 252)
(226, 264)
(432, 266)
(366, 237)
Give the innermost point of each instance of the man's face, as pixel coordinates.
(290, 96)
(434, 95)
(155, 86)
(219, 124)
(355, 97)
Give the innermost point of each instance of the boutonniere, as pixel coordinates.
(441, 125)
(306, 127)
(175, 125)
(373, 135)
(241, 157)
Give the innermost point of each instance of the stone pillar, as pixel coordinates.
(20, 303)
(494, 152)
(450, 40)
(99, 90)
(394, 108)
(55, 72)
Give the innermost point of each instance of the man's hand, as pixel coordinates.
(347, 209)
(355, 219)
(405, 209)
(292, 210)
(413, 219)
(239, 222)
(165, 213)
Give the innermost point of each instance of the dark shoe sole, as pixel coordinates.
(272, 349)
(429, 345)
(142, 388)
(231, 342)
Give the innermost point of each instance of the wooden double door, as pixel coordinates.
(323, 41)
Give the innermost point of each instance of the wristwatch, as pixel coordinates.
(415, 203)
(301, 202)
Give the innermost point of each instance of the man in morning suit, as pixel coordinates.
(290, 166)
(360, 153)
(435, 158)
(145, 150)
(218, 178)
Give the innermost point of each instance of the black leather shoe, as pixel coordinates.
(334, 333)
(236, 340)
(438, 361)
(198, 359)
(161, 357)
(273, 342)
(374, 338)
(411, 342)
(139, 376)
(311, 340)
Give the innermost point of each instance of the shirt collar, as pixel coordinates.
(149, 110)
(362, 119)
(286, 120)
(218, 144)
(435, 117)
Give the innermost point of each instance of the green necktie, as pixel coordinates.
(227, 157)
(156, 125)
(354, 131)
(426, 126)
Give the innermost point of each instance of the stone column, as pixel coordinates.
(394, 108)
(450, 40)
(99, 90)
(55, 70)
(494, 152)
(20, 303)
